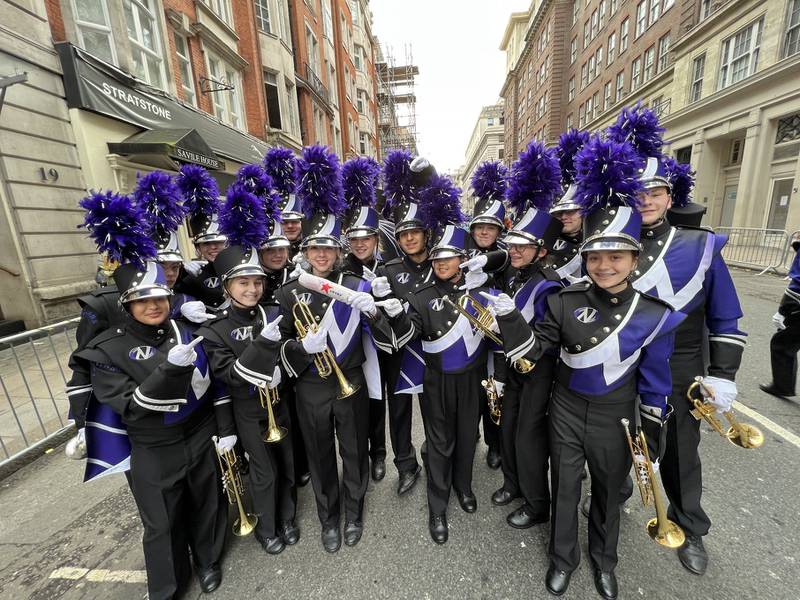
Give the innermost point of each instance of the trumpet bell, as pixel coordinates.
(241, 529)
(275, 434)
(346, 389)
(747, 436)
(666, 534)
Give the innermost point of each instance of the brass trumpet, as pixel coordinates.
(484, 322)
(743, 435)
(325, 361)
(493, 399)
(274, 433)
(661, 529)
(234, 488)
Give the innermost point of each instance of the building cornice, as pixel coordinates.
(732, 12)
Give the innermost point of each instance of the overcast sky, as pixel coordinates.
(455, 45)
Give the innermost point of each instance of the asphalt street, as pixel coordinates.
(60, 538)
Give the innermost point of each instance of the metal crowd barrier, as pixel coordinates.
(761, 249)
(33, 374)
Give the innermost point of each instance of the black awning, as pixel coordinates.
(153, 146)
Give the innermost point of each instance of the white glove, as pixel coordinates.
(224, 444)
(193, 266)
(368, 274)
(315, 342)
(300, 265)
(474, 279)
(196, 311)
(502, 304)
(392, 307)
(363, 302)
(276, 378)
(476, 263)
(184, 355)
(724, 393)
(419, 163)
(271, 331)
(381, 287)
(76, 447)
(500, 387)
(777, 320)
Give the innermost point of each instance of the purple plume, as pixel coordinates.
(681, 177)
(119, 228)
(279, 164)
(243, 218)
(359, 180)
(535, 178)
(158, 195)
(397, 180)
(638, 125)
(440, 204)
(569, 144)
(254, 179)
(319, 182)
(607, 174)
(199, 189)
(490, 180)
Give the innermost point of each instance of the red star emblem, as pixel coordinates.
(326, 287)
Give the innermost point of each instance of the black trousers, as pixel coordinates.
(323, 420)
(377, 416)
(783, 347)
(176, 485)
(300, 459)
(524, 436)
(450, 414)
(271, 475)
(401, 408)
(681, 470)
(589, 432)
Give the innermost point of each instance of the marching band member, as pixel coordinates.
(242, 347)
(534, 184)
(615, 343)
(359, 179)
(335, 330)
(455, 357)
(279, 163)
(151, 373)
(684, 267)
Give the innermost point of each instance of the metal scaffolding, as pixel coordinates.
(397, 102)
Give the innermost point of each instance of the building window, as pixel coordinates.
(227, 103)
(660, 106)
(569, 121)
(663, 53)
(355, 14)
(501, 153)
(598, 55)
(649, 62)
(668, 4)
(655, 10)
(571, 89)
(573, 50)
(145, 47)
(641, 18)
(333, 85)
(358, 58)
(362, 144)
(788, 129)
(595, 28)
(283, 14)
(602, 12)
(273, 100)
(684, 155)
(705, 9)
(737, 150)
(327, 20)
(185, 68)
(291, 103)
(94, 28)
(589, 107)
(586, 34)
(620, 85)
(624, 29)
(636, 73)
(592, 68)
(607, 101)
(362, 101)
(581, 116)
(792, 43)
(612, 47)
(312, 50)
(740, 55)
(262, 15)
(576, 8)
(596, 104)
(614, 6)
(584, 76)
(698, 70)
(221, 8)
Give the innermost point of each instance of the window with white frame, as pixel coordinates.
(283, 13)
(624, 30)
(649, 63)
(363, 145)
(614, 6)
(571, 89)
(705, 9)
(221, 8)
(569, 121)
(589, 107)
(592, 68)
(636, 73)
(263, 17)
(185, 69)
(598, 55)
(312, 51)
(319, 125)
(573, 50)
(607, 96)
(333, 85)
(584, 75)
(354, 12)
(698, 72)
(586, 34)
(791, 44)
(612, 47)
(663, 52)
(668, 4)
(576, 8)
(740, 54)
(273, 100)
(620, 86)
(337, 140)
(655, 10)
(291, 108)
(602, 10)
(641, 18)
(595, 27)
(358, 58)
(93, 25)
(362, 101)
(347, 91)
(145, 45)
(327, 20)
(581, 116)
(227, 103)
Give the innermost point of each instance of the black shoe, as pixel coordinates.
(352, 532)
(586, 505)
(493, 459)
(606, 584)
(557, 581)
(524, 517)
(693, 555)
(289, 532)
(468, 501)
(331, 539)
(407, 480)
(774, 391)
(209, 578)
(271, 545)
(378, 469)
(437, 525)
(502, 497)
(303, 480)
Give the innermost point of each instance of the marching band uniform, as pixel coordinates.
(279, 164)
(565, 257)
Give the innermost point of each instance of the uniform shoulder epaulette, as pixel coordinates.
(394, 261)
(108, 334)
(105, 290)
(580, 286)
(345, 272)
(657, 300)
(424, 286)
(705, 228)
(287, 282)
